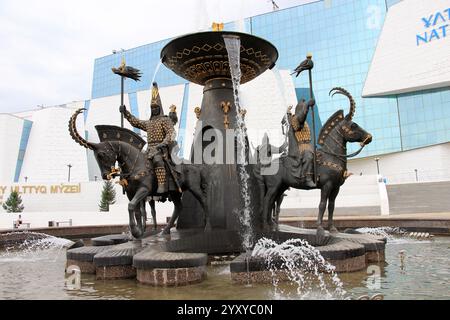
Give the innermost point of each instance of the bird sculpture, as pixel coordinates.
(127, 71)
(307, 64)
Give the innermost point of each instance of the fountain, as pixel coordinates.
(203, 58)
(221, 62)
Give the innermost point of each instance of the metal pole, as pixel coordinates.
(417, 175)
(314, 124)
(121, 99)
(378, 166)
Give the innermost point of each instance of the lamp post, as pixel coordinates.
(378, 165)
(417, 175)
(70, 167)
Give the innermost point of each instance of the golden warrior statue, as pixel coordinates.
(160, 137)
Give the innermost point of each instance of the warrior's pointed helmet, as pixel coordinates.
(156, 99)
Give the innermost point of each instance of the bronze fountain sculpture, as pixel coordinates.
(214, 188)
(331, 162)
(207, 198)
(138, 175)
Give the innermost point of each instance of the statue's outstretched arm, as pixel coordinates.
(135, 122)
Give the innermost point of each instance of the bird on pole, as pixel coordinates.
(127, 71)
(307, 64)
(124, 72)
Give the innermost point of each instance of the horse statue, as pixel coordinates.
(331, 165)
(138, 176)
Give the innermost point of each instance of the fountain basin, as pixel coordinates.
(181, 258)
(116, 262)
(346, 252)
(110, 240)
(165, 269)
(202, 56)
(83, 258)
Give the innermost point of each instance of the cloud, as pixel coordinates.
(48, 47)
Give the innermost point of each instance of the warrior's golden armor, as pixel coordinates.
(160, 136)
(302, 137)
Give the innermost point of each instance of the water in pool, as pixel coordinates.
(415, 269)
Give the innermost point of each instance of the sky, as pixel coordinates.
(48, 47)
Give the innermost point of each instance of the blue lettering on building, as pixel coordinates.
(436, 26)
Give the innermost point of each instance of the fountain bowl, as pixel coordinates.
(201, 57)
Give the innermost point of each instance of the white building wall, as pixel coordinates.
(194, 100)
(401, 65)
(62, 201)
(356, 192)
(432, 164)
(42, 205)
(103, 111)
(50, 147)
(10, 135)
(169, 96)
(266, 100)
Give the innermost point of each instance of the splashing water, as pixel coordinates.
(386, 232)
(303, 265)
(38, 246)
(233, 45)
(397, 235)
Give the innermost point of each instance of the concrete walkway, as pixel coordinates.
(436, 223)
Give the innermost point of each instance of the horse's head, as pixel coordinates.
(104, 151)
(106, 159)
(349, 130)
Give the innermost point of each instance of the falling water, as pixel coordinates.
(303, 265)
(156, 70)
(233, 45)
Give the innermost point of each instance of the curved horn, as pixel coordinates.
(74, 133)
(344, 92)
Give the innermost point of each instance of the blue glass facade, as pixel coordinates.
(26, 130)
(87, 105)
(145, 58)
(424, 118)
(342, 36)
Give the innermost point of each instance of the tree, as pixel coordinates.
(108, 196)
(13, 203)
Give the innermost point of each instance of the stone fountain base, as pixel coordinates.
(346, 252)
(181, 258)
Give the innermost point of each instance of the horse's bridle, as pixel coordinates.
(117, 171)
(345, 156)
